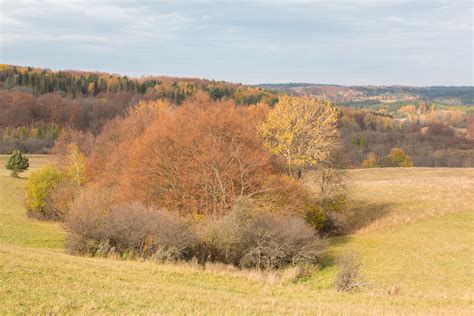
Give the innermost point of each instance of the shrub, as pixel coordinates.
(60, 198)
(86, 220)
(39, 186)
(316, 217)
(263, 241)
(275, 241)
(347, 279)
(131, 230)
(285, 195)
(331, 202)
(221, 240)
(17, 163)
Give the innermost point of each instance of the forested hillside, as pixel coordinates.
(433, 125)
(39, 107)
(380, 94)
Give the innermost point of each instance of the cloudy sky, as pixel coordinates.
(414, 42)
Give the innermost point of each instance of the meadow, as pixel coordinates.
(414, 233)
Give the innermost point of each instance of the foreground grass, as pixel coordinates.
(416, 264)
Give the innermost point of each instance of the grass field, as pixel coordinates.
(415, 237)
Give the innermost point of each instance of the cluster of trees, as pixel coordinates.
(42, 81)
(83, 84)
(396, 158)
(32, 119)
(23, 109)
(52, 188)
(38, 98)
(374, 95)
(38, 139)
(207, 179)
(431, 138)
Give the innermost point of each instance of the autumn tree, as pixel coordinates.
(301, 132)
(371, 161)
(398, 158)
(40, 184)
(111, 148)
(76, 165)
(17, 163)
(470, 126)
(200, 158)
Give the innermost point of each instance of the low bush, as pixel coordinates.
(60, 198)
(86, 220)
(348, 277)
(275, 241)
(242, 238)
(263, 240)
(129, 231)
(285, 195)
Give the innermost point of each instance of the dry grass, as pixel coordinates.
(417, 260)
(386, 197)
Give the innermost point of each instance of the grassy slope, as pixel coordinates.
(423, 244)
(15, 227)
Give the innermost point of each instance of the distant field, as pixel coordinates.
(415, 237)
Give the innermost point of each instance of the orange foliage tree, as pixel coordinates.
(200, 158)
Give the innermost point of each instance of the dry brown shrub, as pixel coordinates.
(348, 278)
(261, 240)
(61, 198)
(128, 231)
(86, 220)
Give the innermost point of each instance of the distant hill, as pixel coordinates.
(444, 95)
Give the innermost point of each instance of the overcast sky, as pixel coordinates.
(413, 42)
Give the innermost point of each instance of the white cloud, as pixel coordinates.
(324, 41)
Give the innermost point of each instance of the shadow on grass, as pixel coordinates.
(360, 214)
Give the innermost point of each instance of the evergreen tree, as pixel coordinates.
(17, 163)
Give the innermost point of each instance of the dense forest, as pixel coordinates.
(37, 105)
(434, 126)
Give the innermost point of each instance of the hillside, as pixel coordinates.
(40, 107)
(369, 96)
(415, 239)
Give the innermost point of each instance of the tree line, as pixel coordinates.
(38, 99)
(82, 84)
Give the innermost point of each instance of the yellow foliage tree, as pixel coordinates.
(301, 131)
(398, 158)
(371, 161)
(76, 165)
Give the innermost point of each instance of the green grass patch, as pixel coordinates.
(15, 227)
